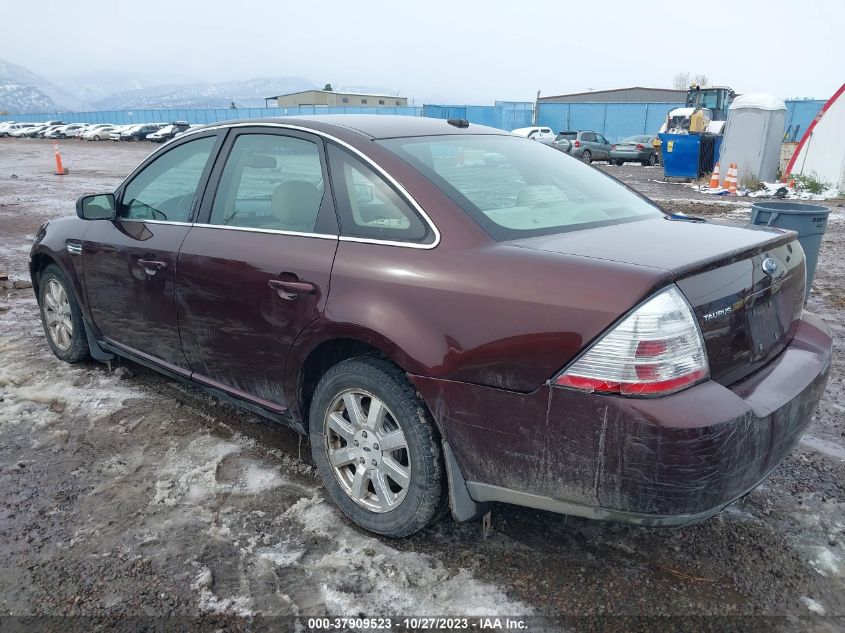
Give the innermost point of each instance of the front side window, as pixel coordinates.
(164, 190)
(272, 182)
(515, 189)
(369, 207)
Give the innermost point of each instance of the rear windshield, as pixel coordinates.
(637, 139)
(516, 188)
(569, 136)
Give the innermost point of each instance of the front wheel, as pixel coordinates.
(61, 317)
(376, 448)
(587, 157)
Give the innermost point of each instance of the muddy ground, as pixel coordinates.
(124, 493)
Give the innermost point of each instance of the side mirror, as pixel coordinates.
(96, 207)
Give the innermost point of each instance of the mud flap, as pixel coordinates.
(97, 352)
(462, 505)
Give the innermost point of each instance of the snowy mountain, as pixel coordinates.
(249, 93)
(21, 91)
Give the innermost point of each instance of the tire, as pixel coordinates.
(587, 157)
(652, 160)
(96, 138)
(363, 381)
(56, 313)
(618, 162)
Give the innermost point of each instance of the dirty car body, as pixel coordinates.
(512, 293)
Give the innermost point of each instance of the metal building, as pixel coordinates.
(332, 98)
(636, 94)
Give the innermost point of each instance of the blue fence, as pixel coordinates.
(614, 120)
(207, 115)
(619, 120)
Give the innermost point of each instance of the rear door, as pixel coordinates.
(254, 272)
(129, 263)
(604, 146)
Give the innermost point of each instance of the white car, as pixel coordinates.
(114, 135)
(68, 131)
(14, 129)
(20, 130)
(536, 133)
(5, 125)
(98, 132)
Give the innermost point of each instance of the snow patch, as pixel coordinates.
(813, 606)
(826, 563)
(364, 575)
(191, 473)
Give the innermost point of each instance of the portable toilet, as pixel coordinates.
(753, 136)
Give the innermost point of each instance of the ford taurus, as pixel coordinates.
(453, 314)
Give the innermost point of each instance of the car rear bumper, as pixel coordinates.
(634, 155)
(671, 460)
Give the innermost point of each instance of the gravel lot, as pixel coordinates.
(124, 493)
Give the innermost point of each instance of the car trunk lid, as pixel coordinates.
(745, 285)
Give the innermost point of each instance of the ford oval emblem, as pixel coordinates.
(770, 266)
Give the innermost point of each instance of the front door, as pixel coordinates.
(255, 271)
(129, 263)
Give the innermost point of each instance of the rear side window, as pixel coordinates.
(270, 181)
(588, 137)
(368, 206)
(516, 189)
(164, 190)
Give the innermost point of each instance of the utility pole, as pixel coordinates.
(536, 110)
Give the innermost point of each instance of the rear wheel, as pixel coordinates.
(587, 157)
(61, 317)
(96, 138)
(376, 447)
(652, 159)
(618, 162)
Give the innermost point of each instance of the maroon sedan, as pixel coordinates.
(451, 313)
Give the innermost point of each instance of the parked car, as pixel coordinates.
(525, 330)
(31, 132)
(542, 134)
(634, 149)
(116, 132)
(16, 129)
(71, 130)
(167, 132)
(4, 126)
(139, 132)
(584, 144)
(46, 131)
(98, 132)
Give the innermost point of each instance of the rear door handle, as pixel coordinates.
(151, 267)
(292, 289)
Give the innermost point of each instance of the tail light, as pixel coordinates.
(655, 350)
(640, 146)
(577, 143)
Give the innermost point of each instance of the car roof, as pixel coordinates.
(374, 126)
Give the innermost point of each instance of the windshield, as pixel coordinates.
(515, 188)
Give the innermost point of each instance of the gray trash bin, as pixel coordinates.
(808, 220)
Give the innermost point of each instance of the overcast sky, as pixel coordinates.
(434, 51)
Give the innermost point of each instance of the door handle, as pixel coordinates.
(151, 267)
(292, 289)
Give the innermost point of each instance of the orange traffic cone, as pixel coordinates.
(714, 179)
(60, 170)
(731, 179)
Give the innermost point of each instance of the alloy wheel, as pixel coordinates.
(57, 315)
(367, 450)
